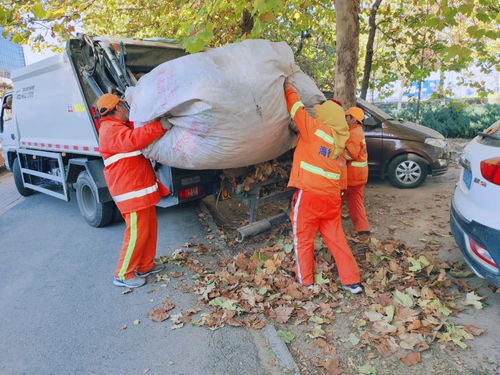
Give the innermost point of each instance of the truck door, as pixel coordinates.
(9, 134)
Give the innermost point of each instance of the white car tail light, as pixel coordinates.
(482, 253)
(490, 169)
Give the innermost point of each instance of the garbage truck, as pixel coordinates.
(49, 125)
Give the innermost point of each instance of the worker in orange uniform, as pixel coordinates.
(133, 185)
(316, 204)
(357, 170)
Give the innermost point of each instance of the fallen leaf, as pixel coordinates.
(353, 339)
(474, 300)
(332, 367)
(176, 274)
(137, 322)
(283, 314)
(474, 330)
(127, 291)
(286, 336)
(158, 315)
(411, 359)
(373, 316)
(367, 370)
(402, 299)
(383, 327)
(319, 280)
(123, 327)
(316, 332)
(167, 305)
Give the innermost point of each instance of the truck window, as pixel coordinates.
(6, 111)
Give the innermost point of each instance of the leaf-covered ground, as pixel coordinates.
(406, 321)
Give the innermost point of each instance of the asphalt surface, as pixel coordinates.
(61, 314)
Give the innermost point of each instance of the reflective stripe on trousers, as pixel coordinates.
(135, 194)
(295, 236)
(116, 157)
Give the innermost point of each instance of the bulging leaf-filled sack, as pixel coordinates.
(226, 106)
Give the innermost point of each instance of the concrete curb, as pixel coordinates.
(280, 350)
(281, 353)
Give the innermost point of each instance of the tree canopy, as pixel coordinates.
(413, 38)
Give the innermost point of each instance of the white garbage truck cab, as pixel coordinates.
(50, 135)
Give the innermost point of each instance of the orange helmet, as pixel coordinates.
(107, 102)
(357, 113)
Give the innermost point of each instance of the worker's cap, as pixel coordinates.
(107, 102)
(357, 113)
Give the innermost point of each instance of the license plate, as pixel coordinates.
(467, 178)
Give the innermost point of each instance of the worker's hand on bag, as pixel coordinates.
(287, 85)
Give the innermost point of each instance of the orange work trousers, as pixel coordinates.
(354, 197)
(139, 243)
(310, 213)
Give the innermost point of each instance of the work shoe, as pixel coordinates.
(157, 267)
(134, 282)
(353, 288)
(365, 233)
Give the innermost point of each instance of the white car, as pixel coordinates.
(475, 208)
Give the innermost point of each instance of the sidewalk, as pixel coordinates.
(8, 192)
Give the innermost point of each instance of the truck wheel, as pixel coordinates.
(95, 213)
(18, 179)
(406, 172)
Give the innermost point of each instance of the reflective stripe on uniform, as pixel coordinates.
(346, 154)
(295, 107)
(295, 235)
(116, 157)
(327, 138)
(363, 141)
(359, 163)
(135, 194)
(131, 245)
(319, 171)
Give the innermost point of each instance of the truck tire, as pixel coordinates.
(96, 214)
(406, 172)
(18, 179)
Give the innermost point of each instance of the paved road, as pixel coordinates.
(60, 313)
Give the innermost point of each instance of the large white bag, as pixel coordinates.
(226, 105)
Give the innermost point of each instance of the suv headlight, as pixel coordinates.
(436, 142)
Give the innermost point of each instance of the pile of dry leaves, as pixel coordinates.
(406, 304)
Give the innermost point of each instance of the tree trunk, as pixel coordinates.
(369, 48)
(347, 49)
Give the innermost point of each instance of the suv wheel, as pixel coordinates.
(407, 172)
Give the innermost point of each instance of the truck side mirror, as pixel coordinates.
(370, 121)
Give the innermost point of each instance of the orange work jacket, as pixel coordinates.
(315, 167)
(356, 156)
(130, 177)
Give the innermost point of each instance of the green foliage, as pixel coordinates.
(455, 119)
(413, 39)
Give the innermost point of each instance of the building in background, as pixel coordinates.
(11, 57)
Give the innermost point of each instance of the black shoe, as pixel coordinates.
(367, 232)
